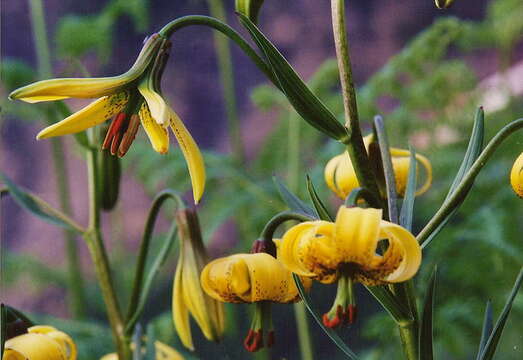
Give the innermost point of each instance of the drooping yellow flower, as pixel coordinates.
(40, 343)
(516, 176)
(188, 296)
(322, 250)
(252, 278)
(132, 98)
(163, 352)
(248, 278)
(341, 177)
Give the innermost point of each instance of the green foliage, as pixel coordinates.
(77, 35)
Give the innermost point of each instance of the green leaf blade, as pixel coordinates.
(495, 336)
(407, 208)
(426, 351)
(320, 208)
(292, 201)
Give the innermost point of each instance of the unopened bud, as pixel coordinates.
(249, 8)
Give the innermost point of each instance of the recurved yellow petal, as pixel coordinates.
(407, 249)
(249, 278)
(192, 154)
(357, 233)
(516, 176)
(40, 343)
(309, 249)
(91, 115)
(157, 134)
(160, 111)
(401, 162)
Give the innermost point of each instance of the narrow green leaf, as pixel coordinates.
(308, 105)
(426, 351)
(407, 208)
(487, 328)
(473, 150)
(12, 323)
(388, 170)
(157, 263)
(495, 336)
(389, 302)
(321, 210)
(28, 202)
(330, 333)
(292, 201)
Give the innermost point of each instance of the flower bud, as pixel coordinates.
(443, 4)
(188, 296)
(249, 8)
(40, 343)
(516, 176)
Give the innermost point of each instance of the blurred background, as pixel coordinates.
(426, 71)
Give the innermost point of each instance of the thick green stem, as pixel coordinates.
(223, 54)
(409, 340)
(355, 145)
(77, 302)
(93, 238)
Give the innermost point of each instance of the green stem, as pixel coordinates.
(355, 145)
(144, 248)
(293, 170)
(409, 340)
(225, 29)
(223, 53)
(93, 238)
(77, 300)
(468, 180)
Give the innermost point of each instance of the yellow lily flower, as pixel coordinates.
(322, 250)
(341, 177)
(163, 352)
(188, 296)
(132, 98)
(40, 343)
(348, 251)
(249, 278)
(252, 278)
(516, 176)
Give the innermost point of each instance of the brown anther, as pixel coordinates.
(129, 135)
(254, 340)
(352, 312)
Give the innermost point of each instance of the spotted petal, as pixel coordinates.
(93, 114)
(157, 134)
(249, 278)
(192, 155)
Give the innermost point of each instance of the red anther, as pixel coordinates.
(352, 312)
(114, 128)
(254, 340)
(248, 339)
(270, 338)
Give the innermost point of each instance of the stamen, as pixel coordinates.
(113, 132)
(129, 135)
